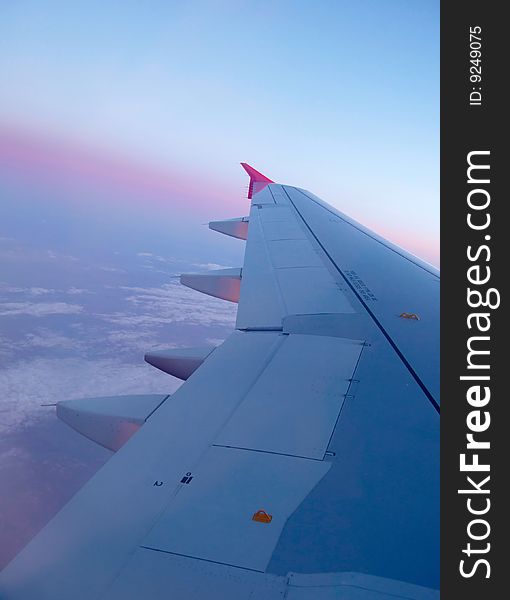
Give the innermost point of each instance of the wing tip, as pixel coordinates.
(258, 181)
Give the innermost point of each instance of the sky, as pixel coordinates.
(122, 125)
(339, 97)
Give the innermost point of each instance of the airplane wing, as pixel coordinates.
(300, 458)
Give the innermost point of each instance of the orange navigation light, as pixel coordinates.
(406, 315)
(261, 516)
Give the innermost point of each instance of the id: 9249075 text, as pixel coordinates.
(475, 66)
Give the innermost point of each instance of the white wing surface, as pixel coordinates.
(299, 460)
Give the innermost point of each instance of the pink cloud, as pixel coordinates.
(56, 161)
(197, 193)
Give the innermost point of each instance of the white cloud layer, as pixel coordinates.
(28, 384)
(38, 309)
(172, 303)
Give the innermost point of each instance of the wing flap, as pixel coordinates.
(294, 405)
(212, 517)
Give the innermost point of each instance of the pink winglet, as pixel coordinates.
(257, 180)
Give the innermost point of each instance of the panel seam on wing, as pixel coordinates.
(388, 337)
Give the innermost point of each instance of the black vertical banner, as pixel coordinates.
(475, 252)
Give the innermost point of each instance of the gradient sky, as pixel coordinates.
(339, 97)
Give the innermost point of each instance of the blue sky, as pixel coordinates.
(341, 98)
